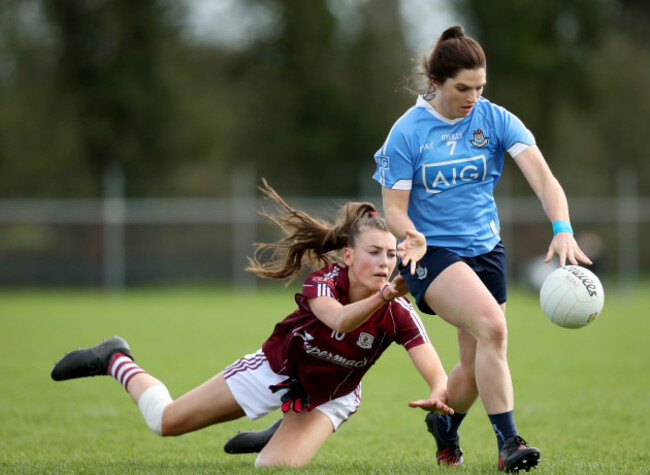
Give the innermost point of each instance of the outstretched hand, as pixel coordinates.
(433, 405)
(395, 288)
(412, 249)
(566, 247)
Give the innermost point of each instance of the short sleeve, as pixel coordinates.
(394, 160)
(515, 136)
(320, 284)
(410, 331)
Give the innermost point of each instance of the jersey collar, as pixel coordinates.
(422, 102)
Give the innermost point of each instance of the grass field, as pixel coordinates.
(582, 396)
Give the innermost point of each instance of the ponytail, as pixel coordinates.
(308, 240)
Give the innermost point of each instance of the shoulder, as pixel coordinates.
(501, 119)
(402, 135)
(494, 112)
(333, 275)
(490, 109)
(329, 281)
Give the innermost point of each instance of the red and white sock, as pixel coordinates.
(122, 368)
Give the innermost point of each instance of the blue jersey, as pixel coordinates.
(451, 168)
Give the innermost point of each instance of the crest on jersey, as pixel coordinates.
(365, 340)
(479, 140)
(421, 272)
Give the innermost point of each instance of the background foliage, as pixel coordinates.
(85, 84)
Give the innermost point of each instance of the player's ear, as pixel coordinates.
(347, 256)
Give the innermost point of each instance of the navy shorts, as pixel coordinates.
(490, 267)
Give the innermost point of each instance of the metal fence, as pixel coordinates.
(116, 242)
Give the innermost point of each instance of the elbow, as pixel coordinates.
(550, 186)
(392, 214)
(551, 193)
(344, 326)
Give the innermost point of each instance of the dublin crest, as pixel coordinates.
(421, 272)
(479, 140)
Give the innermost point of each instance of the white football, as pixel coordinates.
(572, 296)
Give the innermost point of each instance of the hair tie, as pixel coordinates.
(452, 32)
(372, 213)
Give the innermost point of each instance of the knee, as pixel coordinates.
(494, 330)
(153, 404)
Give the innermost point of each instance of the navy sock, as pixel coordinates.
(504, 426)
(448, 425)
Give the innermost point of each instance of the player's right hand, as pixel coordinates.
(399, 284)
(433, 405)
(393, 289)
(412, 249)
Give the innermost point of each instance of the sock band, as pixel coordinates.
(448, 425)
(123, 369)
(504, 426)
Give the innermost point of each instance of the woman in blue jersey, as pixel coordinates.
(438, 168)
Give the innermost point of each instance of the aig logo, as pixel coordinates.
(382, 161)
(438, 177)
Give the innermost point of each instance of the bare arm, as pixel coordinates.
(550, 193)
(413, 244)
(396, 205)
(345, 318)
(428, 363)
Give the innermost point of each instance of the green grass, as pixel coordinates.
(582, 396)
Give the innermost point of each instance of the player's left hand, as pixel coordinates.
(566, 247)
(433, 405)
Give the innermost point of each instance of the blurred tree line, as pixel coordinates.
(576, 72)
(87, 84)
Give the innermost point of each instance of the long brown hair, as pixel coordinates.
(309, 240)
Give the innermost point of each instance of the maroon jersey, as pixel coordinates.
(330, 364)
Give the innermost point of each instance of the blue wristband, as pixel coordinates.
(562, 227)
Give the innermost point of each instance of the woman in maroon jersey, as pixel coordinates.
(312, 364)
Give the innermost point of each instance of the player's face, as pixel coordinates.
(456, 97)
(372, 260)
